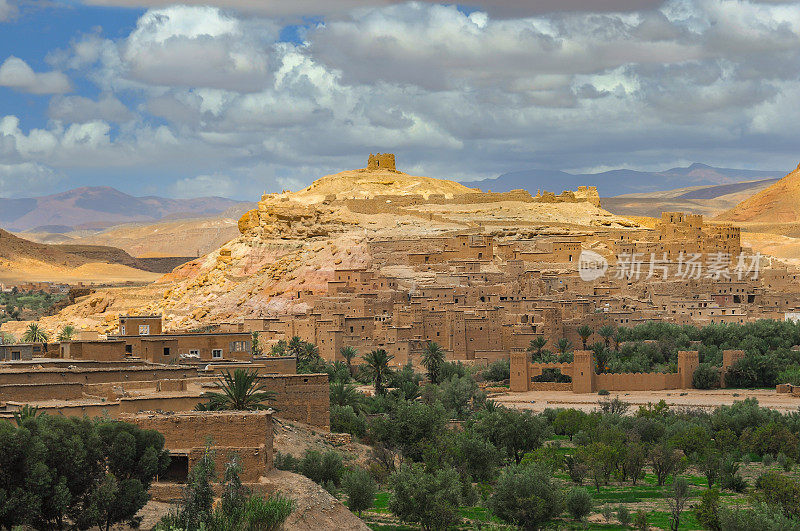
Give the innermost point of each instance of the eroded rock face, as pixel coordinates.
(286, 219)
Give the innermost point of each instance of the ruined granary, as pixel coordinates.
(381, 161)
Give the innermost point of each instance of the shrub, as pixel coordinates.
(790, 375)
(430, 499)
(578, 503)
(360, 489)
(761, 516)
(705, 377)
(322, 467)
(624, 516)
(344, 419)
(267, 514)
(777, 489)
(498, 371)
(640, 520)
(707, 511)
(767, 460)
(526, 496)
(603, 392)
(787, 463)
(286, 462)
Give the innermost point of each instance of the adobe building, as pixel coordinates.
(246, 434)
(17, 352)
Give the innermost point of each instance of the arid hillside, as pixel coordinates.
(185, 237)
(780, 203)
(294, 241)
(23, 261)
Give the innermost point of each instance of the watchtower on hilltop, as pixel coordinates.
(381, 161)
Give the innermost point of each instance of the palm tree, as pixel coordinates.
(344, 394)
(241, 391)
(536, 346)
(25, 412)
(295, 347)
(66, 333)
(35, 334)
(348, 353)
(7, 339)
(279, 348)
(606, 331)
(564, 345)
(432, 360)
(585, 332)
(617, 339)
(378, 365)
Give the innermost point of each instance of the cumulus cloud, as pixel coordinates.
(16, 73)
(26, 178)
(7, 10)
(80, 109)
(217, 94)
(498, 8)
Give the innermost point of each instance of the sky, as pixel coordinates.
(246, 96)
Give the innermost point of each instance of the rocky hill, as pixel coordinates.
(293, 241)
(780, 203)
(99, 207)
(366, 184)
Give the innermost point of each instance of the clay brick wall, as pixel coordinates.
(236, 429)
(96, 375)
(647, 381)
(35, 392)
(301, 397)
(93, 350)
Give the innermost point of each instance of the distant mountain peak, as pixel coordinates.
(103, 206)
(622, 181)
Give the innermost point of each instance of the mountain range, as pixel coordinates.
(619, 182)
(100, 207)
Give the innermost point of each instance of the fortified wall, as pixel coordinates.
(585, 378)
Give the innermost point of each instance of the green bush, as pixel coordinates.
(705, 377)
(498, 371)
(707, 511)
(603, 392)
(55, 469)
(360, 489)
(322, 467)
(578, 503)
(624, 516)
(430, 499)
(791, 375)
(286, 462)
(526, 496)
(344, 419)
